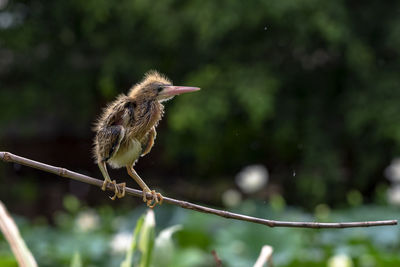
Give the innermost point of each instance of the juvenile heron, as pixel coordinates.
(126, 130)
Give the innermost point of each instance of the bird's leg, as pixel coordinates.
(150, 141)
(157, 197)
(107, 180)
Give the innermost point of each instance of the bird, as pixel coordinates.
(126, 130)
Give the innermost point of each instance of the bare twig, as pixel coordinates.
(6, 156)
(218, 262)
(265, 257)
(17, 244)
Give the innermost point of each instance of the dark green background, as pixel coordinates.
(301, 86)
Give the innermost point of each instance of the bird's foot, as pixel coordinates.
(157, 198)
(116, 191)
(119, 189)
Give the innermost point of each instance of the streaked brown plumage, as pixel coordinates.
(127, 129)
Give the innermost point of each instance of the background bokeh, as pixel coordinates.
(298, 118)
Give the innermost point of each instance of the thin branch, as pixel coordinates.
(8, 157)
(265, 257)
(17, 244)
(218, 262)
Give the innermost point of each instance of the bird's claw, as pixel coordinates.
(123, 186)
(119, 189)
(156, 198)
(104, 186)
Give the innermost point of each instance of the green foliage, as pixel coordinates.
(142, 241)
(129, 255)
(8, 260)
(75, 241)
(165, 249)
(76, 260)
(146, 241)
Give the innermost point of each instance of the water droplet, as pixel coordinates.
(265, 28)
(294, 173)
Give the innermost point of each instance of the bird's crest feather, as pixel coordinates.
(151, 76)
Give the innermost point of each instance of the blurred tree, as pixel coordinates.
(300, 85)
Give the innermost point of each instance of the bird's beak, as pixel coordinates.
(177, 90)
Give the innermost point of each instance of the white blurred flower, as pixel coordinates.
(392, 172)
(87, 221)
(252, 178)
(121, 242)
(340, 260)
(393, 195)
(231, 198)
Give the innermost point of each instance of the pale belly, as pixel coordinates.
(127, 154)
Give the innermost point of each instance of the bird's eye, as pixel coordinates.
(160, 88)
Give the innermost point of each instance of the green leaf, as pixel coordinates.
(164, 246)
(129, 254)
(76, 260)
(142, 240)
(147, 236)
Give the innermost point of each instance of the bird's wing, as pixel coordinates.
(111, 127)
(149, 141)
(118, 113)
(108, 140)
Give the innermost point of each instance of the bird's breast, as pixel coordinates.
(128, 152)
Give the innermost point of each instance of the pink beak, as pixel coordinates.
(177, 90)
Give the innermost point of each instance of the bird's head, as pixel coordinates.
(156, 86)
